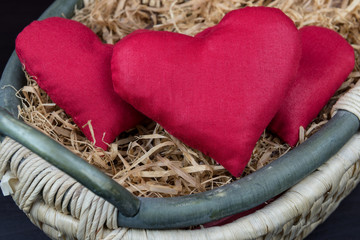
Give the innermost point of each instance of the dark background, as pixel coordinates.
(344, 223)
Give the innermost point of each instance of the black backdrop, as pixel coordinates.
(14, 225)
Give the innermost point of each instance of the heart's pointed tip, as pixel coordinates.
(235, 167)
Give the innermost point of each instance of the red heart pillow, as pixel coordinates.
(216, 91)
(327, 59)
(71, 64)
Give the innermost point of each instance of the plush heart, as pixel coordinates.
(327, 59)
(73, 66)
(216, 91)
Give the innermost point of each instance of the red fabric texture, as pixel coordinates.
(216, 91)
(73, 66)
(327, 59)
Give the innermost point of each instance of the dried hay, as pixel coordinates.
(147, 160)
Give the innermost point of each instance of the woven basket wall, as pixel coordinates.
(64, 209)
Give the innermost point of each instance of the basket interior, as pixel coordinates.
(147, 160)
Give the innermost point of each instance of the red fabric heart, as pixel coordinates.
(216, 91)
(72, 65)
(327, 59)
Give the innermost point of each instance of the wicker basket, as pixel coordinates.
(317, 175)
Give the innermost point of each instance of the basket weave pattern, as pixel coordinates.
(63, 208)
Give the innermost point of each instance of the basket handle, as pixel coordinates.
(178, 212)
(65, 160)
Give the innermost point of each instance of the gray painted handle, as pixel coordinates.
(179, 212)
(65, 160)
(250, 191)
